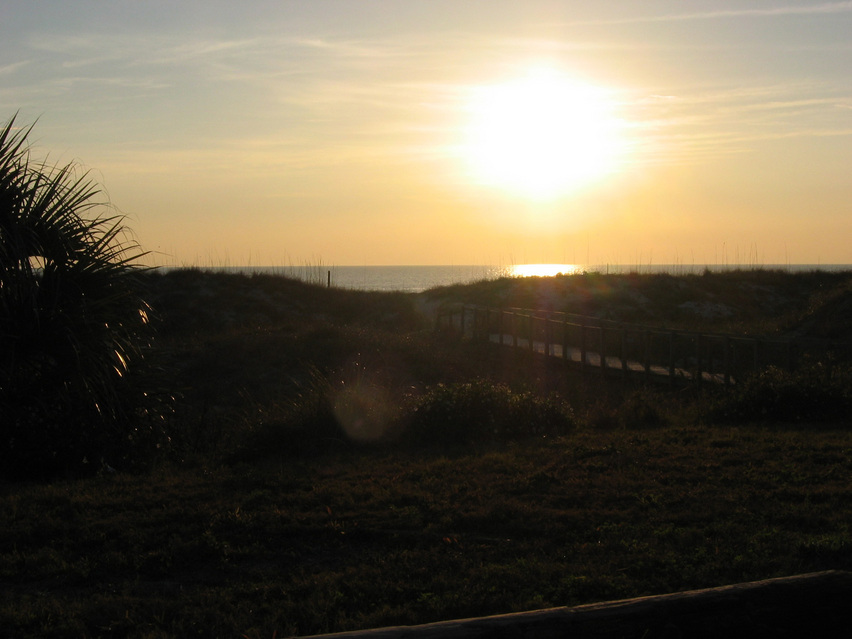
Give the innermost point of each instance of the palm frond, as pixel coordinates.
(72, 324)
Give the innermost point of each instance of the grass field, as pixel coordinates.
(265, 519)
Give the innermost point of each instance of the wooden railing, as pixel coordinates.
(617, 348)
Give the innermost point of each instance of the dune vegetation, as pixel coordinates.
(334, 463)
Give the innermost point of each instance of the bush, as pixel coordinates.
(72, 324)
(810, 394)
(480, 412)
(639, 409)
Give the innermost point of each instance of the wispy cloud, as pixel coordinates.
(765, 12)
(8, 69)
(687, 127)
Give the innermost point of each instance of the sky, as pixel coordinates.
(351, 132)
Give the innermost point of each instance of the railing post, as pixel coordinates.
(699, 372)
(648, 353)
(514, 330)
(671, 357)
(487, 326)
(531, 332)
(726, 360)
(547, 334)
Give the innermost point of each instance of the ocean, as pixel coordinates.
(414, 279)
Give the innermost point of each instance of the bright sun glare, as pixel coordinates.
(541, 136)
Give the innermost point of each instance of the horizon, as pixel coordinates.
(483, 133)
(518, 270)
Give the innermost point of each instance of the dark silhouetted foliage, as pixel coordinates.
(72, 323)
(481, 412)
(813, 394)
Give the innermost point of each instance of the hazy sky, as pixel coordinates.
(450, 132)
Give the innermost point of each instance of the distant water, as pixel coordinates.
(414, 279)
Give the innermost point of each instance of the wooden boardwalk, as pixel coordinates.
(592, 359)
(631, 350)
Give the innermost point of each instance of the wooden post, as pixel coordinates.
(565, 339)
(624, 367)
(603, 350)
(531, 332)
(726, 359)
(698, 344)
(648, 353)
(671, 357)
(546, 334)
(329, 279)
(514, 330)
(583, 344)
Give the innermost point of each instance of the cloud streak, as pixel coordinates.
(768, 12)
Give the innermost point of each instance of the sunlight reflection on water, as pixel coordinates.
(544, 270)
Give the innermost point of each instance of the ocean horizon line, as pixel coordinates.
(595, 266)
(415, 278)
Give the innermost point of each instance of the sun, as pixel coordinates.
(541, 136)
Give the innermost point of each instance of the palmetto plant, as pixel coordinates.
(72, 323)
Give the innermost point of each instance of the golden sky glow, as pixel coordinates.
(380, 132)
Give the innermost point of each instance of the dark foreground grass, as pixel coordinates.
(348, 541)
(262, 520)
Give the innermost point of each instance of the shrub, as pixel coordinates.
(481, 412)
(810, 394)
(72, 324)
(303, 425)
(638, 409)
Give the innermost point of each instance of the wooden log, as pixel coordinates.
(810, 605)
